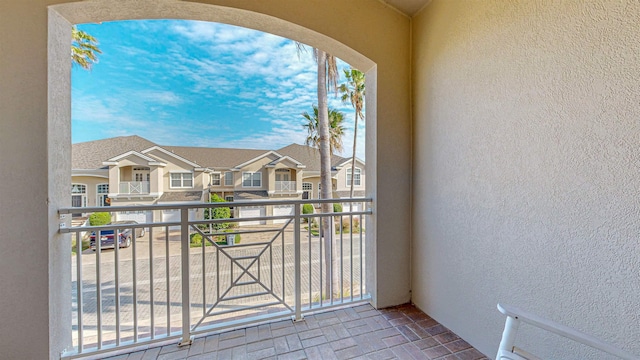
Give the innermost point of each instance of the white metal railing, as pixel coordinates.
(285, 186)
(508, 351)
(164, 288)
(134, 187)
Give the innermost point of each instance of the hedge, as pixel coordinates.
(99, 218)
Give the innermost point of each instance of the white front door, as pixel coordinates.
(282, 176)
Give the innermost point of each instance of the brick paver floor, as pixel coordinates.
(401, 332)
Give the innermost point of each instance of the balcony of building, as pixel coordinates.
(285, 187)
(134, 187)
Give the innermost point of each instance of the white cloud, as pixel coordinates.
(271, 80)
(163, 97)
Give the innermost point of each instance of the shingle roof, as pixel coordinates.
(308, 156)
(181, 196)
(250, 195)
(216, 157)
(91, 154)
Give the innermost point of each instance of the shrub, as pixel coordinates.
(99, 218)
(337, 207)
(218, 213)
(196, 240)
(346, 225)
(307, 209)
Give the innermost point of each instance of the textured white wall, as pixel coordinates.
(526, 167)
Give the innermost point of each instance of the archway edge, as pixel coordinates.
(93, 11)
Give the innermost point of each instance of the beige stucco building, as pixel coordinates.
(502, 157)
(131, 170)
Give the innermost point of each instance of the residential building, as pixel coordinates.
(131, 170)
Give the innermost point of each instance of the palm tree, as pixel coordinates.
(327, 80)
(84, 48)
(336, 129)
(353, 92)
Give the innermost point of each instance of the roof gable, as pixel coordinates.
(348, 162)
(257, 158)
(170, 154)
(128, 155)
(308, 156)
(287, 159)
(91, 154)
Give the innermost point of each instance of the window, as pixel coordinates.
(252, 179)
(319, 190)
(229, 198)
(356, 178)
(78, 196)
(78, 189)
(228, 178)
(103, 195)
(215, 179)
(181, 180)
(307, 190)
(141, 174)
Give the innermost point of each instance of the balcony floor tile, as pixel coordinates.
(400, 332)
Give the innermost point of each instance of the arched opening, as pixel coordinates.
(62, 17)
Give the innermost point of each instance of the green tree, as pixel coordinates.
(84, 48)
(217, 213)
(336, 129)
(353, 91)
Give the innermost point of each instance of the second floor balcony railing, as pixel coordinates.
(171, 277)
(134, 187)
(285, 186)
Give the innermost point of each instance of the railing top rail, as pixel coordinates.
(71, 210)
(564, 331)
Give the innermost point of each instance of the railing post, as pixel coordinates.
(297, 262)
(509, 335)
(186, 298)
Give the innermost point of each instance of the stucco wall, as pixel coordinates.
(38, 149)
(526, 158)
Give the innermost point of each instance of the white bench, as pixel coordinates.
(515, 316)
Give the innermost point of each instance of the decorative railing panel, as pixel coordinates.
(134, 187)
(286, 186)
(182, 278)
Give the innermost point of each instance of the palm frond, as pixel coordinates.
(336, 129)
(84, 48)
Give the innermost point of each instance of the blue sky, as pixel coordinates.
(192, 83)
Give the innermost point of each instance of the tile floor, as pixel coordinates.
(401, 332)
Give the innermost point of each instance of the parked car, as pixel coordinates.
(124, 235)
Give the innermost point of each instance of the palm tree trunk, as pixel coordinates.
(353, 158)
(325, 170)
